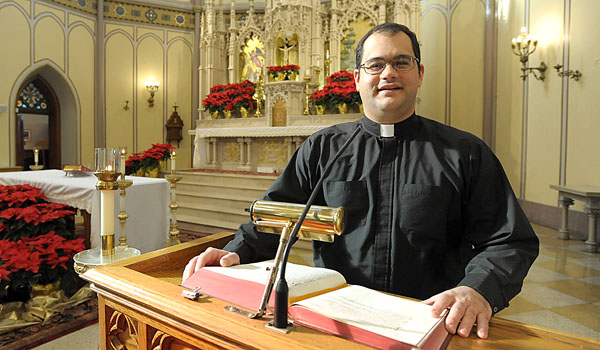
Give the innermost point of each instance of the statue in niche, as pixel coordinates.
(285, 49)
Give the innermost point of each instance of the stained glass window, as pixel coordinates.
(31, 97)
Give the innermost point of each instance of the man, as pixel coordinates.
(431, 214)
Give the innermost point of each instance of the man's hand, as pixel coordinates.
(210, 256)
(466, 306)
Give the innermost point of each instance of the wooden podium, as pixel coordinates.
(141, 307)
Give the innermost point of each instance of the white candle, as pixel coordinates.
(123, 162)
(173, 161)
(107, 212)
(36, 156)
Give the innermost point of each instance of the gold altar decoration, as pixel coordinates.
(173, 180)
(320, 109)
(46, 301)
(307, 93)
(244, 112)
(122, 216)
(259, 95)
(343, 108)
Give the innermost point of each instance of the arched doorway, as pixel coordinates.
(37, 124)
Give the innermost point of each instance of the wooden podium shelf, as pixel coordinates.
(141, 307)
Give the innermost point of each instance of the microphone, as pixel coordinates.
(280, 319)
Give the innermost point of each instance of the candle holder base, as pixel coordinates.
(36, 167)
(90, 258)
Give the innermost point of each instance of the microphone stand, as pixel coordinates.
(280, 319)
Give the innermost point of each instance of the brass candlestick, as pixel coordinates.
(259, 95)
(123, 184)
(107, 173)
(306, 93)
(173, 179)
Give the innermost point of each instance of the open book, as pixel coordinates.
(321, 299)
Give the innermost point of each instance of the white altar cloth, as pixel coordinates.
(147, 203)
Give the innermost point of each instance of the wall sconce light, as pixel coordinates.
(523, 46)
(152, 87)
(575, 75)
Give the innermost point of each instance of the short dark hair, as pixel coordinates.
(390, 29)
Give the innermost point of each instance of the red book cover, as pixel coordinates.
(244, 285)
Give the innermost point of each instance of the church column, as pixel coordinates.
(203, 81)
(334, 39)
(210, 44)
(317, 41)
(248, 153)
(208, 151)
(233, 52)
(381, 16)
(196, 68)
(290, 146)
(414, 15)
(100, 120)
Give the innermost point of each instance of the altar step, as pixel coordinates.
(213, 202)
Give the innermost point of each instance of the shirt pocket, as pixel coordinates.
(353, 196)
(423, 214)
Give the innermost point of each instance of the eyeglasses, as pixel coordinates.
(401, 63)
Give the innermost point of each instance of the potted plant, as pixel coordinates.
(36, 243)
(226, 98)
(339, 93)
(286, 72)
(148, 162)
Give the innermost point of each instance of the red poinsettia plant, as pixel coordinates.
(230, 97)
(41, 259)
(36, 242)
(20, 196)
(286, 70)
(340, 89)
(25, 212)
(148, 159)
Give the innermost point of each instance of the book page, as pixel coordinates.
(301, 279)
(390, 316)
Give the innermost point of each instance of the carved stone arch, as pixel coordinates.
(351, 15)
(247, 33)
(277, 96)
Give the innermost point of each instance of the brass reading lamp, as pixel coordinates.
(320, 223)
(295, 220)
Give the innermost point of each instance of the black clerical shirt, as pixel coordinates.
(428, 209)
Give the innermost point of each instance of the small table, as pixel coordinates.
(591, 197)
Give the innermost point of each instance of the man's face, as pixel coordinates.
(390, 96)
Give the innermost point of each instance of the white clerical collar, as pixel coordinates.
(386, 130)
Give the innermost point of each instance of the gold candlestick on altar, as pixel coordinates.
(258, 95)
(173, 179)
(306, 93)
(123, 184)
